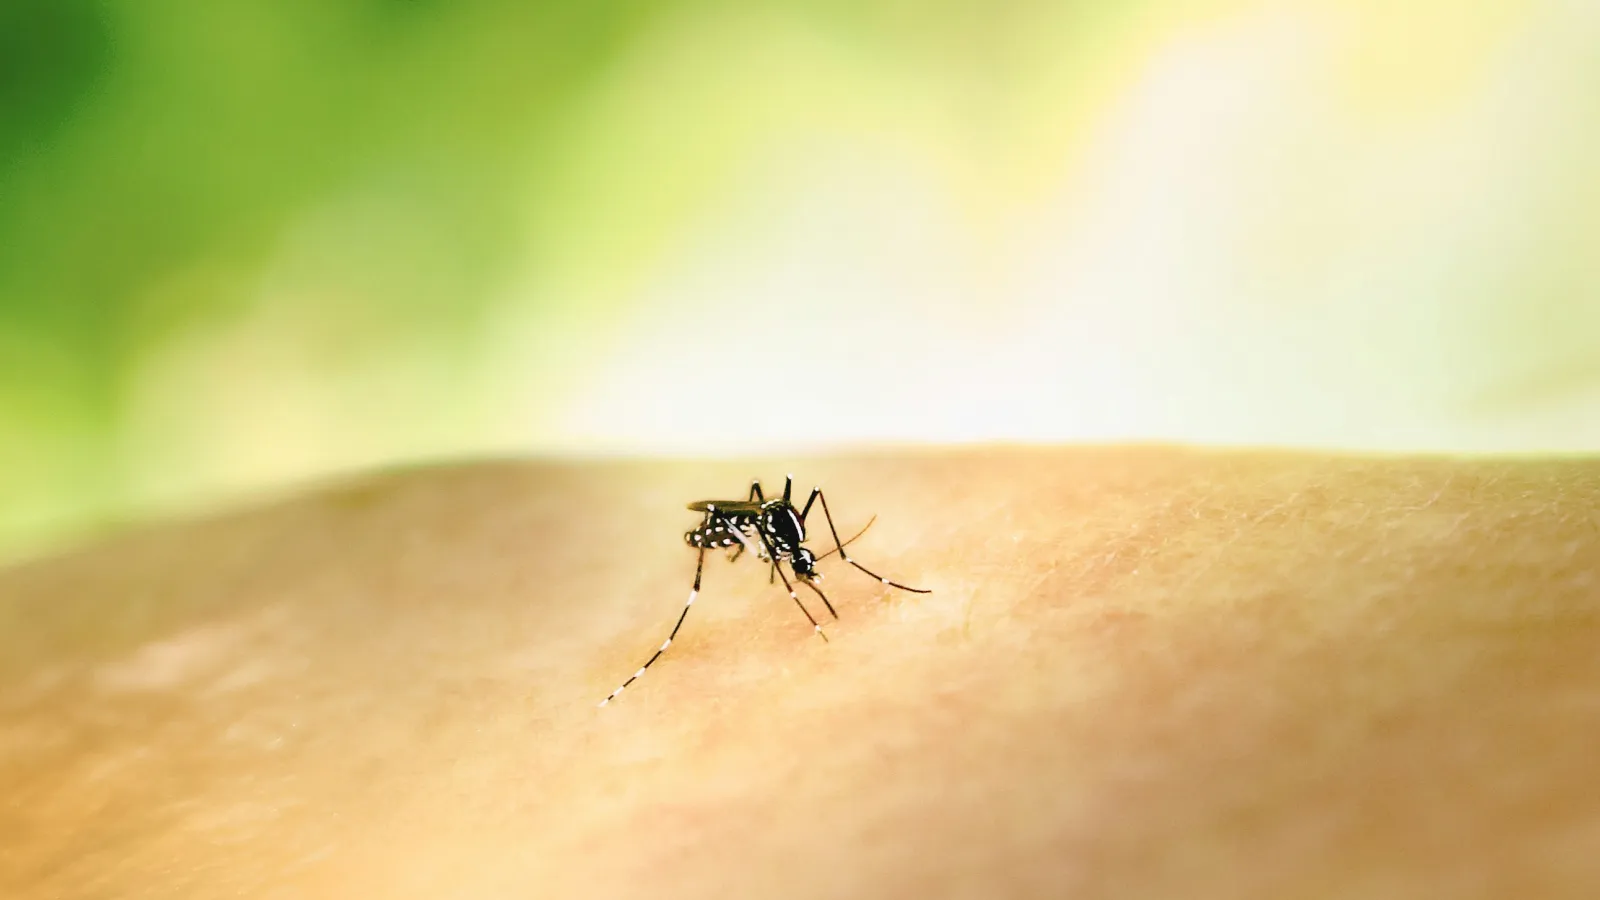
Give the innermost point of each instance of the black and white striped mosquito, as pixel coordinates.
(773, 531)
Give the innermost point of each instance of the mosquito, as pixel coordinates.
(773, 531)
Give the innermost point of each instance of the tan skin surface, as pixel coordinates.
(1142, 673)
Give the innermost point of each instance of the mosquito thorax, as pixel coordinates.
(782, 523)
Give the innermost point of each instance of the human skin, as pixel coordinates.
(1141, 672)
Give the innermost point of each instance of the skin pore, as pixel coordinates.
(1142, 672)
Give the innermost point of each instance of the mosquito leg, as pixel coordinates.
(816, 494)
(818, 591)
(755, 492)
(778, 570)
(693, 592)
(792, 595)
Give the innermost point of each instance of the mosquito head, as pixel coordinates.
(804, 563)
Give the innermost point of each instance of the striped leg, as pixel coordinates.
(796, 597)
(772, 555)
(816, 494)
(693, 592)
(810, 582)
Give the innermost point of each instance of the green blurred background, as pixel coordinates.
(250, 243)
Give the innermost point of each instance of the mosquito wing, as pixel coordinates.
(731, 507)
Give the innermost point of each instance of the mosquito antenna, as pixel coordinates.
(851, 541)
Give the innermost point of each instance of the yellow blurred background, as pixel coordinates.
(245, 245)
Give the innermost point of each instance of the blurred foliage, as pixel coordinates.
(252, 242)
(362, 173)
(146, 141)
